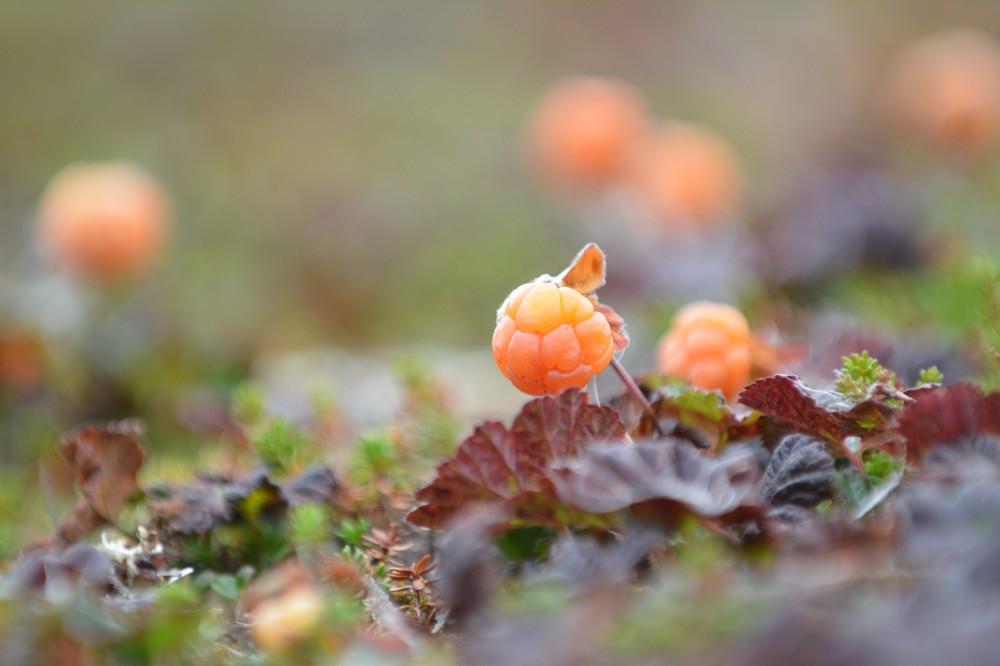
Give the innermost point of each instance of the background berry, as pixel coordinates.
(102, 220)
(709, 346)
(581, 128)
(946, 89)
(682, 172)
(549, 338)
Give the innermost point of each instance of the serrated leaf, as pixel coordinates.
(668, 477)
(941, 416)
(497, 464)
(785, 397)
(801, 472)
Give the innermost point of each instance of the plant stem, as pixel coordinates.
(632, 388)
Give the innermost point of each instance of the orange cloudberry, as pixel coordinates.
(102, 219)
(684, 173)
(708, 345)
(945, 88)
(549, 338)
(581, 127)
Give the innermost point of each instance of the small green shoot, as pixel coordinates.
(309, 525)
(374, 458)
(352, 532)
(859, 374)
(930, 375)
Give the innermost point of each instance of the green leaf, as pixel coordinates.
(226, 587)
(530, 544)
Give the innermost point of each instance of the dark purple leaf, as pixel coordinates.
(670, 472)
(801, 472)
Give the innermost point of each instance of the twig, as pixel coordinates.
(632, 388)
(715, 528)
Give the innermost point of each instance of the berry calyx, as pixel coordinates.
(708, 345)
(102, 220)
(551, 336)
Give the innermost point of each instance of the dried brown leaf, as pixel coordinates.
(105, 459)
(587, 271)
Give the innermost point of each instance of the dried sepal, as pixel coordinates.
(587, 272)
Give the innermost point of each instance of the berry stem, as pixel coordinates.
(717, 529)
(633, 388)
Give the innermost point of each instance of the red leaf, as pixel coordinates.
(556, 428)
(941, 416)
(785, 397)
(496, 464)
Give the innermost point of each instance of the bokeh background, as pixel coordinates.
(351, 187)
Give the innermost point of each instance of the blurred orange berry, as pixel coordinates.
(684, 173)
(282, 621)
(946, 89)
(549, 338)
(102, 220)
(708, 345)
(580, 129)
(22, 361)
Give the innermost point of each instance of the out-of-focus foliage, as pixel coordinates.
(352, 187)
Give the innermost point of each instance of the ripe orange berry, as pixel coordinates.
(580, 129)
(709, 346)
(549, 338)
(946, 89)
(685, 173)
(102, 220)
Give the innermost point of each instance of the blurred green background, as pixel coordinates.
(352, 175)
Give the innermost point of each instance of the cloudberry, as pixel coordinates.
(683, 172)
(580, 129)
(549, 338)
(709, 346)
(281, 621)
(102, 220)
(946, 89)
